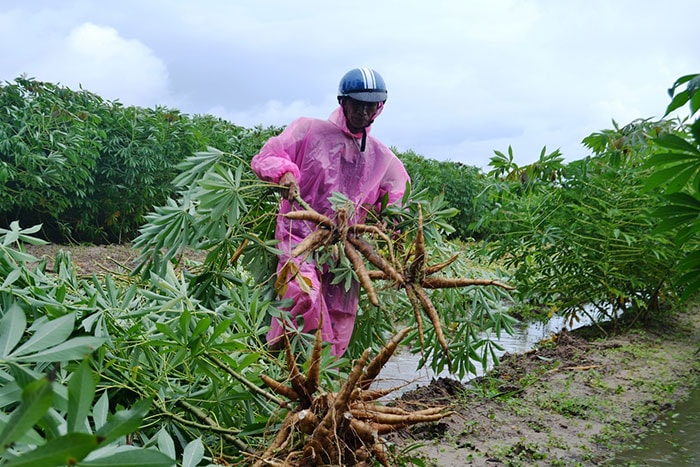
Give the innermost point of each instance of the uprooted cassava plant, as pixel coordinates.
(413, 273)
(341, 428)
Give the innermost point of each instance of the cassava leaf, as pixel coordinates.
(131, 457)
(50, 333)
(124, 422)
(72, 349)
(12, 327)
(81, 392)
(36, 401)
(69, 449)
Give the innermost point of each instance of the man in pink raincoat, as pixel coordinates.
(315, 158)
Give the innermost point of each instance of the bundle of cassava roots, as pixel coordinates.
(346, 427)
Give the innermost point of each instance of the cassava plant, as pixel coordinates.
(676, 165)
(583, 242)
(458, 184)
(186, 335)
(225, 210)
(50, 412)
(165, 375)
(89, 169)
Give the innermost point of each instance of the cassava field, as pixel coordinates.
(140, 340)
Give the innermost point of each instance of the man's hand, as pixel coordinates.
(289, 186)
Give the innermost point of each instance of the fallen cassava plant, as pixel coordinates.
(342, 428)
(413, 274)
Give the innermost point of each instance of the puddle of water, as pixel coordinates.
(402, 368)
(676, 443)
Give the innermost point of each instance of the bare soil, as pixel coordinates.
(87, 259)
(574, 400)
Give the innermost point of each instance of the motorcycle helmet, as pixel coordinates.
(363, 84)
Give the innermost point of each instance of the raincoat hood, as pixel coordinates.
(338, 119)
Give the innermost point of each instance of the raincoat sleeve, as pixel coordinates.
(395, 183)
(279, 154)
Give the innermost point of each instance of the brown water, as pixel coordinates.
(402, 368)
(674, 441)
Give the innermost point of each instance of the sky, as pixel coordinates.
(465, 77)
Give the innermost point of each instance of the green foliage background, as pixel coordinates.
(162, 366)
(89, 170)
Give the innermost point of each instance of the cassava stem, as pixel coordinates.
(256, 389)
(239, 251)
(449, 283)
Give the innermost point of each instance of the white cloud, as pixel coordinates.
(101, 61)
(272, 112)
(465, 77)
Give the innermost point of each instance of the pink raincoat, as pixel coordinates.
(325, 157)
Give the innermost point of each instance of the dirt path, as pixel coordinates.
(570, 402)
(89, 258)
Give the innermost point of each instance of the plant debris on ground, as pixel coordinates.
(575, 399)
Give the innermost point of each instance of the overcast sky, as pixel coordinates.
(465, 77)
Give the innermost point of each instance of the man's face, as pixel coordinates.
(359, 114)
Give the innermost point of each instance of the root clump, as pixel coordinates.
(341, 428)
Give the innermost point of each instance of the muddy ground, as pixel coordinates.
(574, 400)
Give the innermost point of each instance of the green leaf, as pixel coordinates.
(100, 411)
(12, 327)
(671, 141)
(686, 173)
(30, 437)
(671, 223)
(124, 422)
(36, 401)
(683, 79)
(12, 278)
(678, 101)
(684, 199)
(48, 334)
(166, 445)
(12, 235)
(202, 325)
(167, 331)
(668, 175)
(193, 454)
(132, 457)
(73, 349)
(65, 450)
(81, 392)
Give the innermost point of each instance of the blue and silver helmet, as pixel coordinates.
(363, 84)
